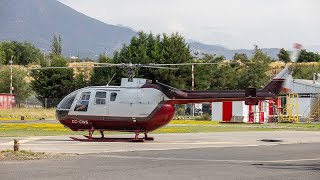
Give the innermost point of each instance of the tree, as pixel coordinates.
(23, 53)
(225, 77)
(53, 84)
(255, 73)
(208, 76)
(56, 47)
(259, 56)
(80, 81)
(254, 76)
(240, 57)
(306, 56)
(147, 48)
(22, 89)
(284, 55)
(102, 75)
(305, 71)
(2, 57)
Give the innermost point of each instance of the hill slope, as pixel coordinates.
(228, 53)
(37, 20)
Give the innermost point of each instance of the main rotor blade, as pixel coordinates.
(186, 64)
(159, 67)
(69, 67)
(109, 64)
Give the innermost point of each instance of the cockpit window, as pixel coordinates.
(113, 96)
(100, 98)
(83, 102)
(67, 101)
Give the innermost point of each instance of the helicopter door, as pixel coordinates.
(100, 103)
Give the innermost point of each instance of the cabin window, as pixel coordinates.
(113, 96)
(83, 103)
(100, 98)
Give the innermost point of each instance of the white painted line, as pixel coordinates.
(21, 141)
(208, 160)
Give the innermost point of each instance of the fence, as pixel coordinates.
(33, 102)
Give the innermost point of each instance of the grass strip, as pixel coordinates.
(176, 126)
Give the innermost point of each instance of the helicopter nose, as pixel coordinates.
(61, 114)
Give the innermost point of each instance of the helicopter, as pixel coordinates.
(140, 105)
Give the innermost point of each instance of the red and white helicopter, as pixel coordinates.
(141, 106)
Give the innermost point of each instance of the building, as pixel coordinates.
(307, 97)
(299, 101)
(237, 111)
(7, 101)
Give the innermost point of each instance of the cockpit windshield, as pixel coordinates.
(67, 101)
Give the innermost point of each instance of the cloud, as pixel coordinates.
(234, 23)
(176, 27)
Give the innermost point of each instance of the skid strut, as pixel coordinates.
(102, 134)
(148, 138)
(90, 133)
(136, 137)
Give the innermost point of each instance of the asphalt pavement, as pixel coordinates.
(242, 155)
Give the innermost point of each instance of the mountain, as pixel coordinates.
(229, 53)
(36, 21)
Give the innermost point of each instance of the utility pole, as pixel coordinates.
(11, 88)
(192, 78)
(192, 85)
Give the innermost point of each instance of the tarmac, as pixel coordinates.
(220, 155)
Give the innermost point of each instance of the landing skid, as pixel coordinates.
(149, 139)
(89, 138)
(107, 139)
(133, 140)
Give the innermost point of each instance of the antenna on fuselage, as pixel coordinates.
(111, 79)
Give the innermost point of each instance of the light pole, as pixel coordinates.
(196, 52)
(11, 88)
(192, 85)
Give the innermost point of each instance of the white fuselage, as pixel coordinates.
(127, 100)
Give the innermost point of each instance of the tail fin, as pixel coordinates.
(276, 83)
(296, 52)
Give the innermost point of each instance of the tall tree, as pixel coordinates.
(240, 57)
(147, 48)
(255, 73)
(56, 46)
(2, 57)
(208, 76)
(102, 75)
(306, 56)
(284, 55)
(259, 56)
(80, 81)
(23, 53)
(225, 77)
(53, 84)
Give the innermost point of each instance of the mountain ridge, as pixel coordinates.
(36, 21)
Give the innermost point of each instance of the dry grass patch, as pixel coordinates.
(28, 113)
(9, 155)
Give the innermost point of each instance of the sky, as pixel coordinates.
(234, 24)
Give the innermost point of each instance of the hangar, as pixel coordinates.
(299, 102)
